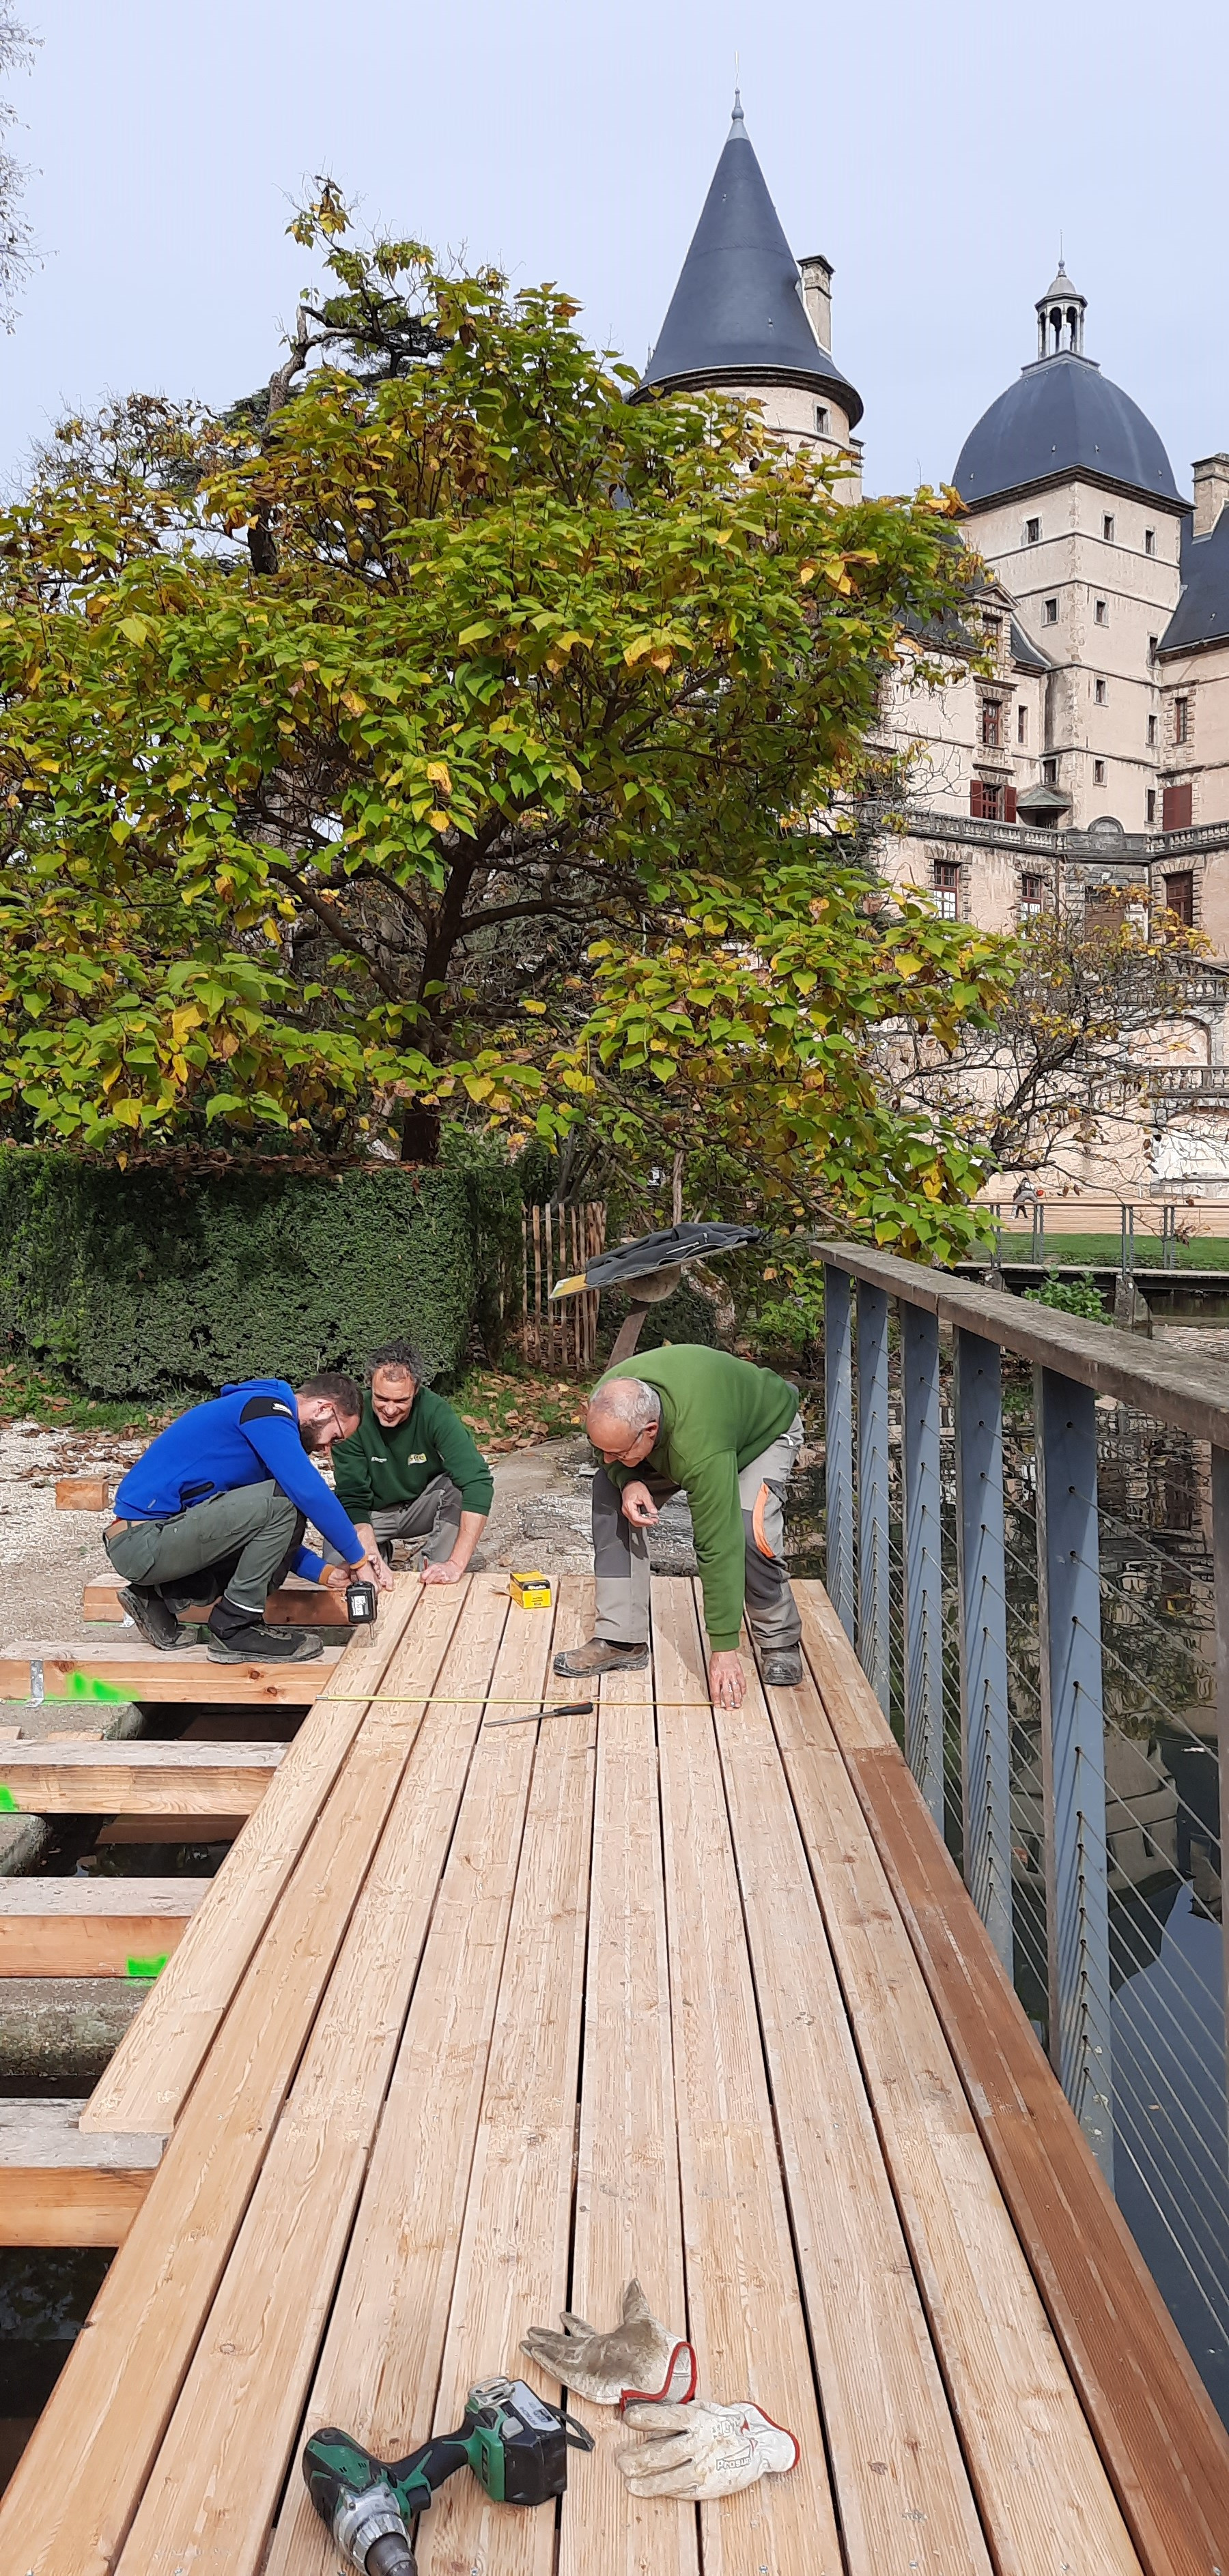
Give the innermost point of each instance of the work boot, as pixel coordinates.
(601, 1655)
(783, 1670)
(158, 1625)
(235, 1636)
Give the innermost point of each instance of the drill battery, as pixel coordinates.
(530, 1591)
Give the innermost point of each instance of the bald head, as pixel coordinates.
(623, 1420)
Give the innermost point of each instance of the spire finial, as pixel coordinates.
(736, 126)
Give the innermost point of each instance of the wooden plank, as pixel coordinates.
(91, 1927)
(628, 2209)
(82, 1493)
(101, 2429)
(513, 2264)
(139, 1672)
(902, 2490)
(743, 2300)
(148, 2079)
(58, 2188)
(380, 2365)
(144, 1830)
(305, 1605)
(1164, 2447)
(213, 2488)
(1043, 2491)
(128, 1776)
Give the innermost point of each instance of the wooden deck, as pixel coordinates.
(477, 2020)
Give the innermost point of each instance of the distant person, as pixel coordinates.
(727, 1434)
(411, 1470)
(216, 1510)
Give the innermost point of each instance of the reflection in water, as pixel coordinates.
(1171, 2151)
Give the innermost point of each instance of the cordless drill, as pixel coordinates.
(516, 2445)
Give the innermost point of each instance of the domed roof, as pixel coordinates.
(1062, 416)
(737, 314)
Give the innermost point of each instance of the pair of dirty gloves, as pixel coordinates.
(696, 2450)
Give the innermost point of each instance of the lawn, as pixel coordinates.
(1103, 1251)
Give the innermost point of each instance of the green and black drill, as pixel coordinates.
(515, 2443)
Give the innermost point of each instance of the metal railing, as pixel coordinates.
(1073, 1362)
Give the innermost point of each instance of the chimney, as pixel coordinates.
(817, 297)
(1211, 475)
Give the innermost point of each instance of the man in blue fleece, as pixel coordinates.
(216, 1510)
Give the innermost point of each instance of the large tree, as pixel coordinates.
(442, 733)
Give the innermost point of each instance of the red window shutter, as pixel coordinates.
(1176, 808)
(1009, 805)
(977, 800)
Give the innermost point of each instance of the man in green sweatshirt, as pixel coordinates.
(411, 1469)
(728, 1434)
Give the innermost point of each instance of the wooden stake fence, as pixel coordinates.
(559, 1240)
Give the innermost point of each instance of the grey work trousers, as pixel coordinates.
(621, 1556)
(434, 1516)
(242, 1544)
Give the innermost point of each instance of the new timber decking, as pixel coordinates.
(476, 2021)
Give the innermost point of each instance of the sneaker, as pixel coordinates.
(601, 1656)
(258, 1644)
(158, 1625)
(783, 1671)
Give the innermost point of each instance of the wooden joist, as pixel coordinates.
(306, 1605)
(60, 2188)
(186, 1678)
(93, 1927)
(130, 1777)
(82, 1493)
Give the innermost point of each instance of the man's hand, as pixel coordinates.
(726, 1686)
(638, 1506)
(447, 1572)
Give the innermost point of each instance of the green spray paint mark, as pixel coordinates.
(87, 1686)
(8, 1803)
(148, 1967)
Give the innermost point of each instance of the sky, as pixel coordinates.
(937, 156)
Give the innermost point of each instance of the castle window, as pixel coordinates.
(1098, 773)
(947, 889)
(1150, 806)
(1032, 897)
(1177, 801)
(1150, 541)
(1152, 733)
(821, 419)
(1032, 532)
(1100, 693)
(991, 723)
(1107, 529)
(1051, 612)
(1182, 719)
(1049, 773)
(1100, 613)
(1180, 897)
(1152, 645)
(1021, 724)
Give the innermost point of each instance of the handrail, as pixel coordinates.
(1192, 1395)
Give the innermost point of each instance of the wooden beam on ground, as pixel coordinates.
(306, 1605)
(92, 1927)
(58, 2188)
(32, 1671)
(1163, 2445)
(744, 2307)
(380, 2364)
(90, 2458)
(82, 1493)
(155, 2065)
(895, 2458)
(128, 1776)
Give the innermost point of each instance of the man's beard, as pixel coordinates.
(312, 1436)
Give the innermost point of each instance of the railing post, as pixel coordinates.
(838, 1442)
(1220, 1577)
(874, 1572)
(1073, 1753)
(923, 1543)
(984, 1727)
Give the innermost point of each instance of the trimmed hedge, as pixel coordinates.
(144, 1281)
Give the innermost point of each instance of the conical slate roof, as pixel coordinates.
(737, 315)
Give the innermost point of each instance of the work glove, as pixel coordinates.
(701, 2451)
(638, 2358)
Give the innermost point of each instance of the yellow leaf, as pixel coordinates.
(661, 661)
(634, 653)
(439, 822)
(353, 704)
(437, 772)
(807, 572)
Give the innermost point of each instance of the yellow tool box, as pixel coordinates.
(532, 1591)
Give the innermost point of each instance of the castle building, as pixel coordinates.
(1086, 769)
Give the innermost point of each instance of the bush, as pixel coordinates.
(162, 1277)
(1070, 1297)
(685, 1316)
